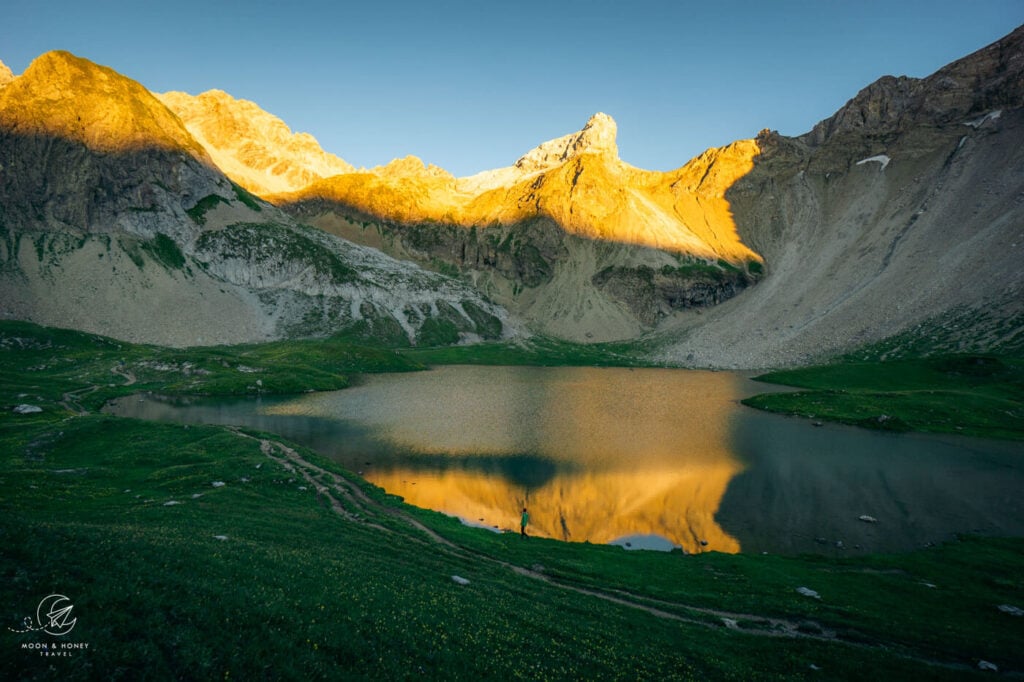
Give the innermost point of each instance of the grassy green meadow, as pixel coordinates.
(206, 552)
(977, 395)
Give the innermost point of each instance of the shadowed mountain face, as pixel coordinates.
(901, 217)
(115, 220)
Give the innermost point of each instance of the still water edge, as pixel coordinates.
(651, 458)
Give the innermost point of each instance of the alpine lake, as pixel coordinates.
(643, 458)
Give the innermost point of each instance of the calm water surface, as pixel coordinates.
(650, 457)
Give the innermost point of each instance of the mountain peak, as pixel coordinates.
(62, 95)
(596, 137)
(599, 133)
(982, 82)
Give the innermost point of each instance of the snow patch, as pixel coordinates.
(881, 158)
(990, 116)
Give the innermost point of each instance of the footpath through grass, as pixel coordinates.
(203, 552)
(972, 395)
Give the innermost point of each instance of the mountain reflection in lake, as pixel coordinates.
(605, 455)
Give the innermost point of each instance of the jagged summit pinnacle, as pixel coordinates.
(596, 137)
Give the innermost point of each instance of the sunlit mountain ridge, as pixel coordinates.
(578, 181)
(254, 148)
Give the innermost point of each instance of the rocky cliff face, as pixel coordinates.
(115, 220)
(581, 244)
(256, 149)
(898, 221)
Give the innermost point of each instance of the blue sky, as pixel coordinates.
(473, 85)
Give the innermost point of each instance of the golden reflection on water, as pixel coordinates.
(633, 452)
(597, 507)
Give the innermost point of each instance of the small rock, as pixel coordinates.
(839, 544)
(808, 592)
(244, 479)
(816, 424)
(27, 409)
(458, 579)
(814, 667)
(1012, 610)
(218, 484)
(986, 665)
(222, 538)
(302, 487)
(867, 519)
(171, 503)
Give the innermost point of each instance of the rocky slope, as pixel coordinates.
(255, 149)
(115, 220)
(581, 244)
(899, 219)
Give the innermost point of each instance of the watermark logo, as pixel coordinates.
(53, 616)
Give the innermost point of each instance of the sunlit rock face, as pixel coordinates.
(580, 243)
(578, 181)
(256, 149)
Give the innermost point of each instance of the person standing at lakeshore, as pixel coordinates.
(523, 522)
